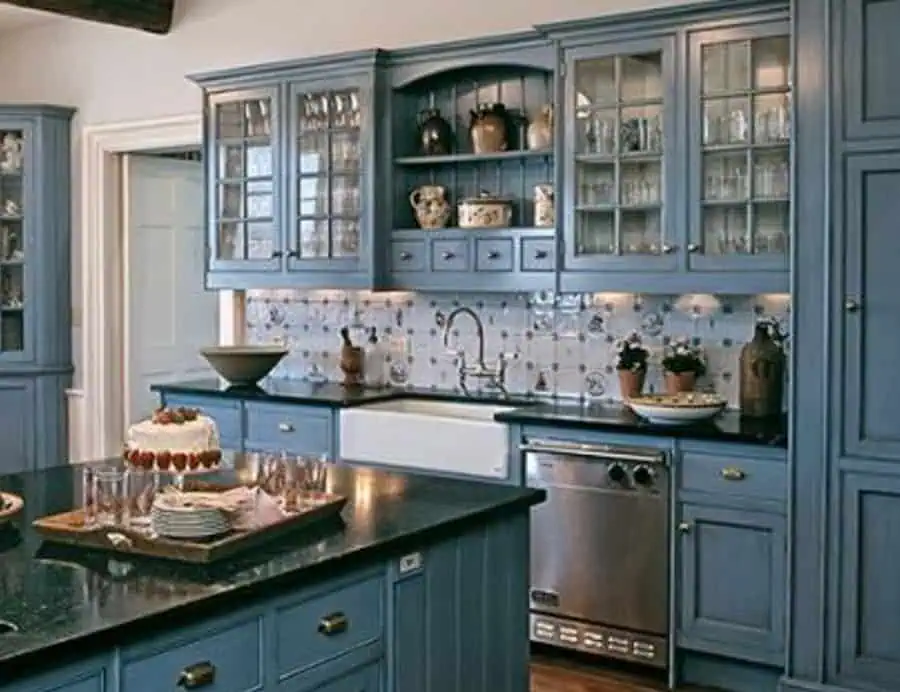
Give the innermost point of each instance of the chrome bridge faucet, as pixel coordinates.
(493, 377)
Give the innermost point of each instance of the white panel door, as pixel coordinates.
(170, 315)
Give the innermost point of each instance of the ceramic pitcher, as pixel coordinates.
(430, 205)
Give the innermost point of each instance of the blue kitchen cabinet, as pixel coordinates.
(289, 151)
(291, 428)
(731, 587)
(674, 180)
(35, 306)
(366, 679)
(514, 254)
(90, 675)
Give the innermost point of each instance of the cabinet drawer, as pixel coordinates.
(538, 255)
(764, 479)
(450, 256)
(226, 414)
(302, 637)
(232, 654)
(283, 427)
(408, 256)
(494, 255)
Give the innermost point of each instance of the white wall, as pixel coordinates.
(112, 75)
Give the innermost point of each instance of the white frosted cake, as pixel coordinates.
(178, 438)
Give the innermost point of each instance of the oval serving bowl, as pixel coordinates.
(677, 409)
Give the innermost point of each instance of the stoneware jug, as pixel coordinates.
(540, 130)
(762, 376)
(488, 129)
(435, 133)
(430, 205)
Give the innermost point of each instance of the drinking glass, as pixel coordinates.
(88, 503)
(141, 486)
(314, 474)
(109, 496)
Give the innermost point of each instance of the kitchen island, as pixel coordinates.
(424, 586)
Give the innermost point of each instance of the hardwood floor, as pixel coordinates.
(557, 676)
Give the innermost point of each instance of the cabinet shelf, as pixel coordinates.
(451, 159)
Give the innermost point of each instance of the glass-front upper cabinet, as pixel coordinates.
(13, 228)
(740, 106)
(244, 181)
(619, 172)
(326, 188)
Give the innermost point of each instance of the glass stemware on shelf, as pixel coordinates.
(329, 174)
(12, 242)
(619, 155)
(245, 180)
(745, 138)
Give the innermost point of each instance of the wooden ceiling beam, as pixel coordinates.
(152, 16)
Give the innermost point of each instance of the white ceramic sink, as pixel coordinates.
(428, 435)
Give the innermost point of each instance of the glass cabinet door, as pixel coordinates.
(741, 107)
(243, 172)
(13, 229)
(327, 129)
(620, 172)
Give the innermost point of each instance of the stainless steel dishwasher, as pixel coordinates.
(600, 549)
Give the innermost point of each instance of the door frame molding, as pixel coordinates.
(103, 271)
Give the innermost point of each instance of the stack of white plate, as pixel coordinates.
(174, 517)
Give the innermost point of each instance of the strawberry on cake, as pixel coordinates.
(175, 439)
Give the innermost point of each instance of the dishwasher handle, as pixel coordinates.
(642, 455)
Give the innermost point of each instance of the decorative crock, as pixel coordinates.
(485, 211)
(540, 130)
(544, 210)
(631, 383)
(430, 205)
(762, 365)
(435, 133)
(488, 129)
(677, 382)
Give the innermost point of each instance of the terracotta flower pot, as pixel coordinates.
(631, 383)
(677, 382)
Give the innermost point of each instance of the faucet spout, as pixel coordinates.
(479, 329)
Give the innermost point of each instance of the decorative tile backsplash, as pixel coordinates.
(562, 345)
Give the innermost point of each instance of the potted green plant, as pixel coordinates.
(631, 364)
(682, 363)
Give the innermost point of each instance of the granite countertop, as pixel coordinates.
(730, 426)
(64, 599)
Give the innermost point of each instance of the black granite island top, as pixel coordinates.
(67, 602)
(729, 426)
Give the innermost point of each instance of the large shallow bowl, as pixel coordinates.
(243, 365)
(677, 409)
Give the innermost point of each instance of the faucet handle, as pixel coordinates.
(459, 356)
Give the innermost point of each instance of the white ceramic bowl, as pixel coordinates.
(677, 409)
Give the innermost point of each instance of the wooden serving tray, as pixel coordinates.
(69, 528)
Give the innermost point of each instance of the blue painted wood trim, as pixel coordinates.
(808, 417)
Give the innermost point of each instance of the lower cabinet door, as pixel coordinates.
(731, 587)
(366, 679)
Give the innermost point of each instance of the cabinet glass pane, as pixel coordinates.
(12, 242)
(619, 182)
(329, 170)
(745, 106)
(245, 204)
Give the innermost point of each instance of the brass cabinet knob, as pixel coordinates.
(197, 675)
(693, 248)
(684, 527)
(668, 249)
(493, 254)
(540, 254)
(406, 256)
(333, 624)
(447, 255)
(852, 305)
(733, 473)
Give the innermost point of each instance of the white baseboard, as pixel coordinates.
(77, 420)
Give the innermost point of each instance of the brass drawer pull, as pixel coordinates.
(540, 254)
(333, 624)
(447, 255)
(732, 473)
(285, 427)
(197, 675)
(405, 256)
(493, 254)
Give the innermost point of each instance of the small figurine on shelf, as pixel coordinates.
(11, 154)
(683, 364)
(631, 364)
(11, 208)
(540, 131)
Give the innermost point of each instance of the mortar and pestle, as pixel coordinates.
(351, 360)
